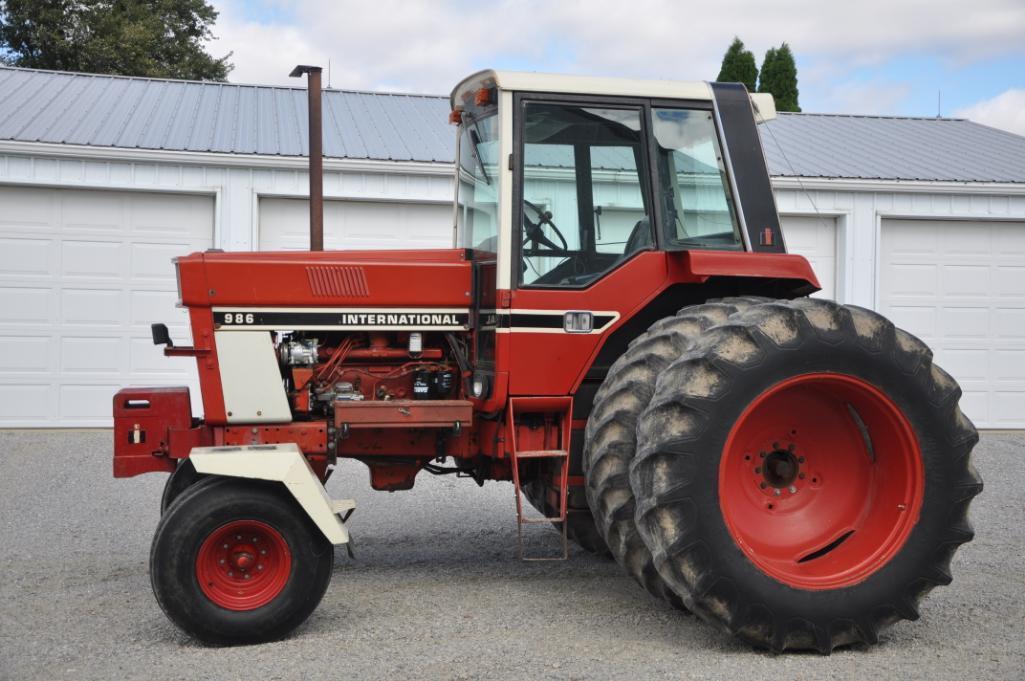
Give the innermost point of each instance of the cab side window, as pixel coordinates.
(585, 205)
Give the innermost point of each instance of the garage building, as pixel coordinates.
(104, 179)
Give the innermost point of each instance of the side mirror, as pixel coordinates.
(161, 335)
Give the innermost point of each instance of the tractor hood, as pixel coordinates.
(391, 278)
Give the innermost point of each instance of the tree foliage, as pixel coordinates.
(779, 77)
(738, 66)
(154, 38)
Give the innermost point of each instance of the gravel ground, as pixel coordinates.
(436, 591)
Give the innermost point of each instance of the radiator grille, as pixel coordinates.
(338, 281)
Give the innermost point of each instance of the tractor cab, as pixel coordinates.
(562, 187)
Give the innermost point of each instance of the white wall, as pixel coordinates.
(236, 188)
(859, 213)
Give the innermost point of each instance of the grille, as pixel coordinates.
(338, 281)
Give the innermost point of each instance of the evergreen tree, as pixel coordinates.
(155, 38)
(738, 66)
(779, 77)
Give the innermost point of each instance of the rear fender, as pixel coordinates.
(282, 463)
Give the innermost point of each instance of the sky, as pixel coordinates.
(963, 58)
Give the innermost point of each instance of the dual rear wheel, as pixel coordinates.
(795, 472)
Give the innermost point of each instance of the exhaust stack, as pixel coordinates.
(316, 151)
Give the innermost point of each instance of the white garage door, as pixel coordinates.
(82, 275)
(960, 287)
(815, 239)
(285, 224)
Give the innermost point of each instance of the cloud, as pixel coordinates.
(428, 46)
(1005, 111)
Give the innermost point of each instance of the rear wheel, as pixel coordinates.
(611, 440)
(238, 562)
(803, 475)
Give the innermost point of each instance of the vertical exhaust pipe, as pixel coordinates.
(316, 154)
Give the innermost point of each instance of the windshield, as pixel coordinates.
(694, 190)
(477, 189)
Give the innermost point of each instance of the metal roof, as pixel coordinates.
(891, 148)
(145, 113)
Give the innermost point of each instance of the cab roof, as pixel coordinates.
(523, 81)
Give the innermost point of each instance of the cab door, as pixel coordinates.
(583, 245)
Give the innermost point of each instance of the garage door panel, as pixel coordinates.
(154, 261)
(1009, 322)
(26, 403)
(914, 279)
(25, 355)
(24, 257)
(1010, 281)
(87, 403)
(92, 306)
(102, 260)
(93, 212)
(91, 355)
(1007, 408)
(922, 319)
(25, 208)
(967, 281)
(974, 315)
(1010, 239)
(21, 305)
(964, 322)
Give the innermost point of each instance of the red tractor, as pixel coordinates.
(618, 331)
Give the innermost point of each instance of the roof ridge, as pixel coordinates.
(944, 119)
(217, 83)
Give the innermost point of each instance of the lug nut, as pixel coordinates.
(764, 485)
(758, 469)
(800, 459)
(263, 552)
(793, 490)
(777, 492)
(259, 567)
(222, 561)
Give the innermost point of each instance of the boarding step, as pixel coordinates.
(544, 421)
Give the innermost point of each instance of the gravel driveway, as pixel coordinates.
(436, 591)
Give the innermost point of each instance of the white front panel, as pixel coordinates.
(250, 379)
(815, 239)
(285, 224)
(83, 273)
(960, 287)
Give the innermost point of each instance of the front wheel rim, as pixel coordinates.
(821, 480)
(243, 565)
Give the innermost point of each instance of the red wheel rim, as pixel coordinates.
(821, 481)
(243, 565)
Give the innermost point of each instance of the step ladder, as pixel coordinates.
(557, 413)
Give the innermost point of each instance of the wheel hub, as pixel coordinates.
(243, 565)
(780, 468)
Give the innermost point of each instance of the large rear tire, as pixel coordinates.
(238, 562)
(802, 475)
(611, 439)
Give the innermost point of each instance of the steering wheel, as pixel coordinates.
(533, 230)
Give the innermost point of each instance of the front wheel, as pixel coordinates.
(803, 475)
(238, 562)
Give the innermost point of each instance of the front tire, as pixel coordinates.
(803, 475)
(238, 562)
